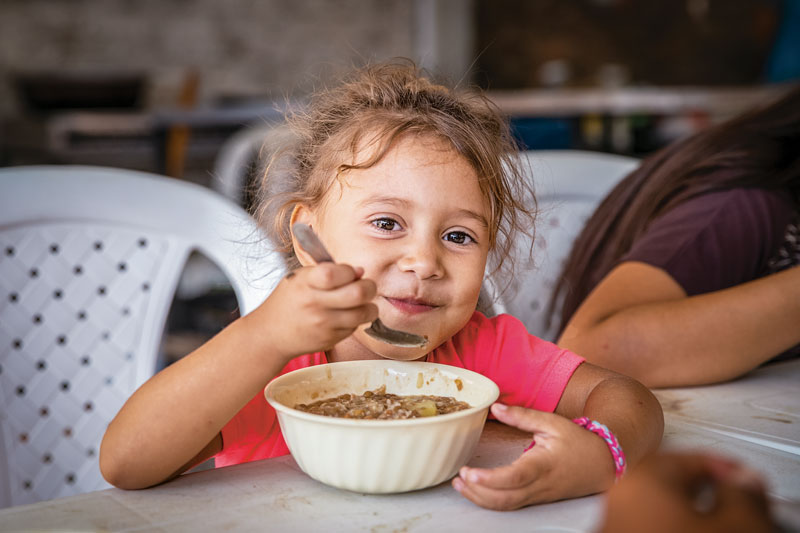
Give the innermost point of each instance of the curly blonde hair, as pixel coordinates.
(380, 104)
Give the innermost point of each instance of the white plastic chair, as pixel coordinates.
(569, 184)
(235, 159)
(89, 262)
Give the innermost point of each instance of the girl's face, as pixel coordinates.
(418, 225)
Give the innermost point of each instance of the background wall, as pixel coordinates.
(215, 55)
(240, 48)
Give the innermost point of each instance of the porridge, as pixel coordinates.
(380, 405)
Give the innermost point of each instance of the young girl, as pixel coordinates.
(410, 186)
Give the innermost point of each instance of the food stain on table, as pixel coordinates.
(672, 405)
(288, 501)
(773, 419)
(403, 526)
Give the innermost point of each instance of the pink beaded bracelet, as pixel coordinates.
(613, 444)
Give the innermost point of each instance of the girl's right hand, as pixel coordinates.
(313, 308)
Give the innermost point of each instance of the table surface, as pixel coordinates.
(755, 419)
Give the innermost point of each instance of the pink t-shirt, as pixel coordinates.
(529, 371)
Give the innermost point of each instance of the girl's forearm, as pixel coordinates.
(636, 420)
(625, 406)
(696, 340)
(180, 411)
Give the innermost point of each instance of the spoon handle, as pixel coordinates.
(310, 243)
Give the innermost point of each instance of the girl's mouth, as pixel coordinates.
(410, 306)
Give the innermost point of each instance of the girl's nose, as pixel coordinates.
(422, 257)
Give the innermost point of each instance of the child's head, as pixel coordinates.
(377, 106)
(412, 181)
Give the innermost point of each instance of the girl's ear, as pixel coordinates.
(301, 213)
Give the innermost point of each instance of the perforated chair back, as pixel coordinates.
(89, 262)
(569, 184)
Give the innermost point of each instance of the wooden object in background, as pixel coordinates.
(178, 135)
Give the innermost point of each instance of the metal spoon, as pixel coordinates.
(310, 243)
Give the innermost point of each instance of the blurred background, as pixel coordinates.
(166, 85)
(160, 85)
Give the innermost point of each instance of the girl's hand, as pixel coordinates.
(315, 307)
(566, 461)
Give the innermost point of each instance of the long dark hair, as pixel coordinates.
(760, 148)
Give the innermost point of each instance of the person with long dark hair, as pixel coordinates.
(687, 273)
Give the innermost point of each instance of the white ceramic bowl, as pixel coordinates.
(381, 456)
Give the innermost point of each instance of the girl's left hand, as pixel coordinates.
(567, 461)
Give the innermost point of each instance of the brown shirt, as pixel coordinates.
(719, 240)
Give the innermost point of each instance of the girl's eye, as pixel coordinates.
(458, 237)
(386, 224)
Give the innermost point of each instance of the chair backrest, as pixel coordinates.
(89, 261)
(242, 154)
(568, 184)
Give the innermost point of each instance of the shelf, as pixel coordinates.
(723, 101)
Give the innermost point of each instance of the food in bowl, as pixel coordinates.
(379, 405)
(381, 456)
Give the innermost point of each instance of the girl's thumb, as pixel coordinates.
(520, 417)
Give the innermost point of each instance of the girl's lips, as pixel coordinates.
(410, 306)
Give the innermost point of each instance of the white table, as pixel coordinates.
(275, 495)
(755, 419)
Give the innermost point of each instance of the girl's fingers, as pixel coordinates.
(520, 483)
(525, 419)
(327, 276)
(354, 294)
(337, 286)
(521, 473)
(491, 498)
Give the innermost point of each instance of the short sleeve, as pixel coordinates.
(529, 371)
(254, 432)
(716, 240)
